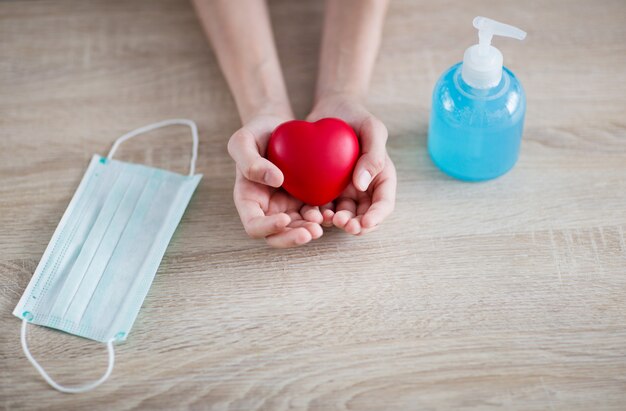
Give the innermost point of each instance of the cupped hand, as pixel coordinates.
(371, 195)
(265, 210)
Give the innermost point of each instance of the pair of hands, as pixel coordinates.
(271, 213)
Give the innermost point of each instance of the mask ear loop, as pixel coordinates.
(164, 123)
(59, 387)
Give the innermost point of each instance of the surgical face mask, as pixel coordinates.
(102, 258)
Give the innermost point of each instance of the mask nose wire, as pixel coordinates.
(164, 123)
(54, 384)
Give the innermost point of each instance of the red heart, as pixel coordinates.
(317, 159)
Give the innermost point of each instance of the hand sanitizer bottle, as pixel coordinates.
(478, 110)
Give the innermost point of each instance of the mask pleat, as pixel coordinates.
(128, 255)
(69, 243)
(82, 267)
(106, 248)
(171, 193)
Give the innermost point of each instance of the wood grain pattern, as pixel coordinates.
(508, 294)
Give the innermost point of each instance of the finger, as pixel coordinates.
(243, 148)
(366, 230)
(377, 213)
(346, 209)
(314, 228)
(262, 226)
(383, 199)
(294, 215)
(353, 226)
(312, 213)
(345, 204)
(364, 205)
(247, 196)
(373, 137)
(342, 217)
(328, 212)
(291, 237)
(328, 218)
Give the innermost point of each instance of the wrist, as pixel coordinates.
(336, 101)
(281, 109)
(339, 94)
(259, 88)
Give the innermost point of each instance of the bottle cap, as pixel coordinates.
(482, 63)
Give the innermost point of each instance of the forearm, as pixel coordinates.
(242, 39)
(350, 42)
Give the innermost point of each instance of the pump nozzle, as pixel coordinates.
(482, 63)
(487, 28)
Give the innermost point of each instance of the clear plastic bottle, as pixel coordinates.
(478, 109)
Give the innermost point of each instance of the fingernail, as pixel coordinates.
(364, 180)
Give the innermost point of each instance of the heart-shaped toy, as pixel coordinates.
(317, 159)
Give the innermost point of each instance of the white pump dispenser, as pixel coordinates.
(482, 63)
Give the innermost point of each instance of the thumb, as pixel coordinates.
(373, 137)
(243, 148)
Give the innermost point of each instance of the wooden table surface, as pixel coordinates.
(505, 294)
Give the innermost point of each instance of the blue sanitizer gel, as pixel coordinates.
(478, 109)
(475, 134)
